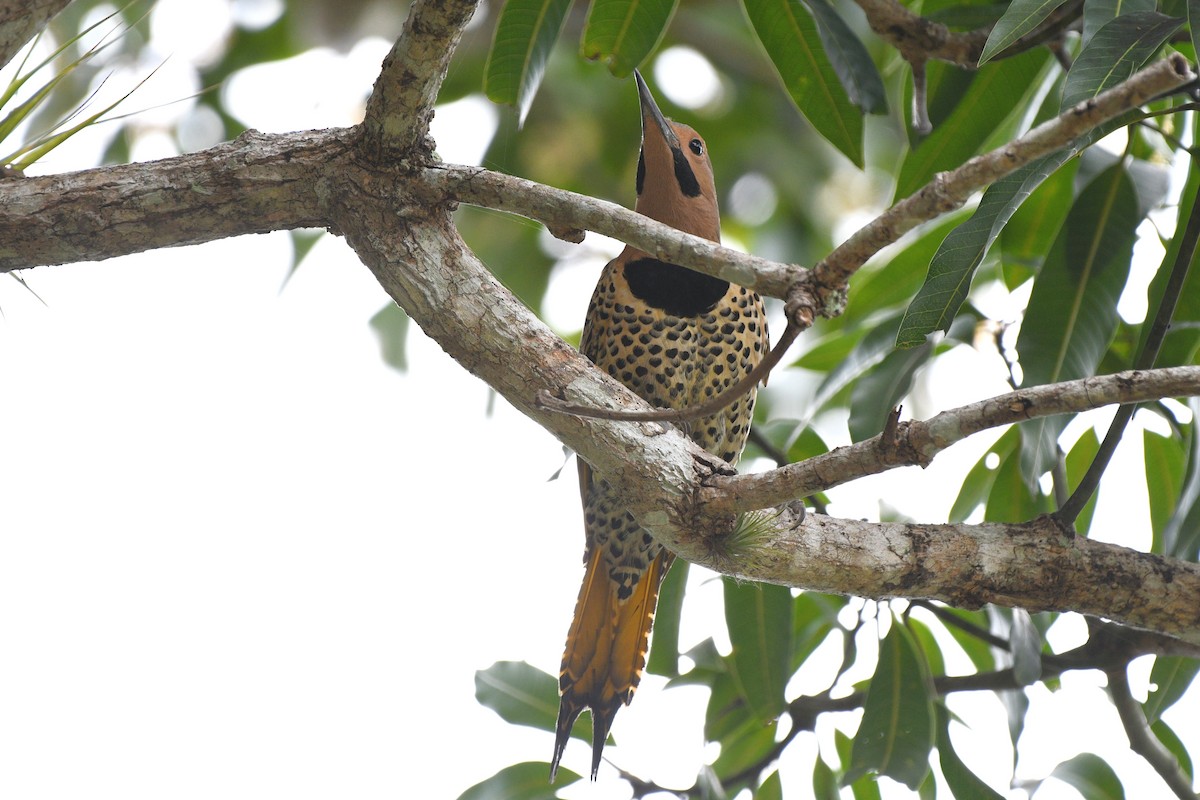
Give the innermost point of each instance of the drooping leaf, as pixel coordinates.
(865, 786)
(977, 486)
(623, 32)
(1193, 15)
(770, 789)
(523, 695)
(1025, 641)
(664, 642)
(1165, 459)
(963, 250)
(1181, 535)
(524, 781)
(1092, 776)
(878, 392)
(390, 325)
(1011, 498)
(750, 744)
(896, 734)
(789, 35)
(814, 616)
(1097, 13)
(825, 785)
(1117, 50)
(759, 619)
(961, 780)
(850, 59)
(872, 350)
(1174, 745)
(525, 35)
(1171, 677)
(995, 91)
(1072, 311)
(1032, 228)
(1021, 17)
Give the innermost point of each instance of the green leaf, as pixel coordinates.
(825, 785)
(995, 91)
(864, 787)
(1072, 310)
(897, 729)
(1181, 536)
(979, 651)
(930, 650)
(741, 749)
(960, 779)
(525, 35)
(850, 59)
(1025, 642)
(1079, 460)
(814, 615)
(759, 618)
(1172, 742)
(1097, 13)
(664, 642)
(789, 35)
(877, 288)
(877, 393)
(1011, 498)
(830, 350)
(525, 781)
(390, 325)
(770, 789)
(1031, 230)
(963, 250)
(1117, 50)
(1092, 776)
(523, 695)
(977, 486)
(1021, 17)
(1171, 676)
(1165, 459)
(624, 32)
(1193, 15)
(872, 350)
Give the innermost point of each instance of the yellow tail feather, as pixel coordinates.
(605, 652)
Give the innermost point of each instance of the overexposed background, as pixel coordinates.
(241, 557)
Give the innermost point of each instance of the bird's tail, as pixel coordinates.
(606, 651)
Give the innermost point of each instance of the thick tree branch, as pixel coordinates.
(20, 20)
(254, 184)
(916, 443)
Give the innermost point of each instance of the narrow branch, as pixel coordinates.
(917, 443)
(949, 190)
(255, 184)
(1142, 740)
(401, 104)
(562, 211)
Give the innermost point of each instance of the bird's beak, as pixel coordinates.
(652, 115)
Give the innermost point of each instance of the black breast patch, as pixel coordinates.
(676, 290)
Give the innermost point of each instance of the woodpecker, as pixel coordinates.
(675, 337)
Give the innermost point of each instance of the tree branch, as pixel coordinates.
(20, 20)
(916, 443)
(255, 184)
(1142, 740)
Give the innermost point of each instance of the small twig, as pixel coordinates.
(1142, 740)
(709, 407)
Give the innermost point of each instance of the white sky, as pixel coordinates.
(240, 557)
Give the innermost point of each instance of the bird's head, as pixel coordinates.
(675, 178)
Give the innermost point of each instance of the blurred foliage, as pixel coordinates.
(808, 116)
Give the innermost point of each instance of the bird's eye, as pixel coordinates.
(696, 146)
